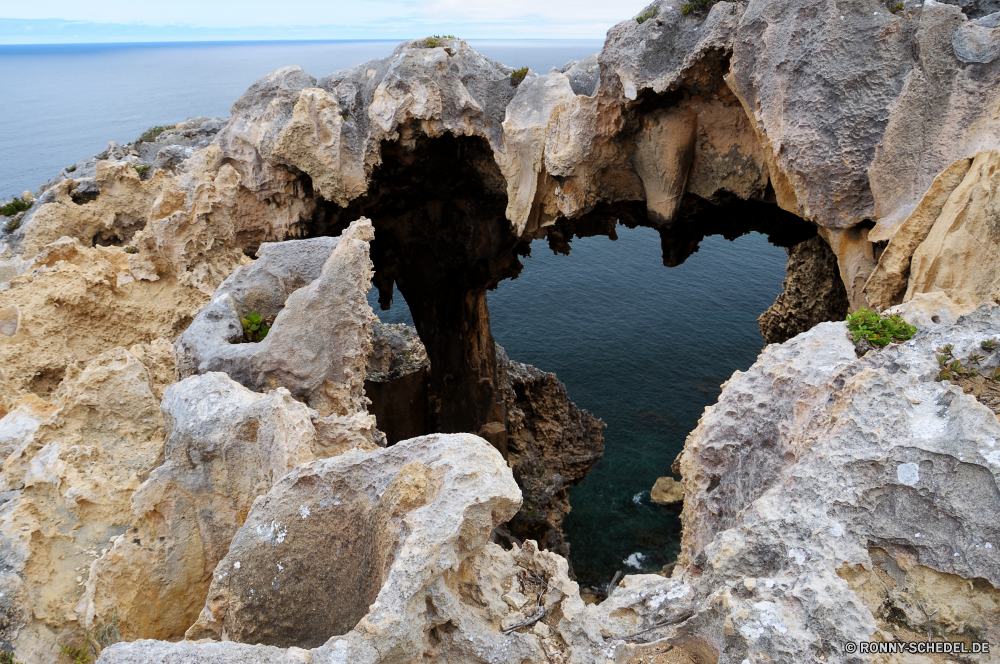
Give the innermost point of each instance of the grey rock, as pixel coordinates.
(820, 470)
(320, 339)
(975, 9)
(385, 524)
(812, 293)
(978, 41)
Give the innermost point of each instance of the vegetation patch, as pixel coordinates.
(986, 388)
(15, 205)
(13, 225)
(8, 658)
(878, 330)
(255, 328)
(435, 40)
(517, 76)
(69, 169)
(646, 15)
(699, 7)
(895, 7)
(150, 134)
(131, 250)
(78, 655)
(141, 170)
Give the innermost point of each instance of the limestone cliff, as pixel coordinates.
(827, 498)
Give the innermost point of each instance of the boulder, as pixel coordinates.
(667, 491)
(227, 446)
(320, 338)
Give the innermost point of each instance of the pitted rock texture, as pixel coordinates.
(552, 445)
(813, 293)
(357, 539)
(69, 472)
(832, 498)
(319, 343)
(227, 446)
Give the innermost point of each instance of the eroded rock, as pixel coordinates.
(320, 339)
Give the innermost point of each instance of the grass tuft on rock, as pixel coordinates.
(646, 15)
(435, 40)
(14, 206)
(150, 134)
(255, 328)
(697, 6)
(517, 76)
(878, 330)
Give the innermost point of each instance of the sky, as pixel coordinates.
(72, 21)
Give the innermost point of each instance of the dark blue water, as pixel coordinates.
(642, 346)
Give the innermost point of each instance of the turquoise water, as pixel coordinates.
(642, 346)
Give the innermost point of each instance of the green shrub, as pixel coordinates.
(8, 658)
(15, 205)
(151, 133)
(898, 7)
(697, 6)
(254, 328)
(646, 15)
(878, 330)
(131, 250)
(69, 169)
(518, 75)
(13, 225)
(141, 170)
(78, 655)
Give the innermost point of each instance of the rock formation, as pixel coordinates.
(828, 498)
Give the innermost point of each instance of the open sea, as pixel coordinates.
(641, 346)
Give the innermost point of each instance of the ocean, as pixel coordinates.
(642, 346)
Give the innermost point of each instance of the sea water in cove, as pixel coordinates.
(641, 346)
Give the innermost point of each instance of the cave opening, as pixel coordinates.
(443, 242)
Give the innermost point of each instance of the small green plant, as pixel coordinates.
(254, 327)
(989, 345)
(151, 133)
(8, 658)
(107, 633)
(698, 6)
(78, 655)
(435, 40)
(141, 170)
(517, 76)
(70, 169)
(646, 15)
(13, 225)
(15, 205)
(996, 374)
(878, 330)
(898, 7)
(131, 250)
(975, 358)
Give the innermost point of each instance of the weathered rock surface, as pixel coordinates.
(227, 446)
(75, 304)
(813, 293)
(837, 499)
(314, 291)
(70, 470)
(551, 445)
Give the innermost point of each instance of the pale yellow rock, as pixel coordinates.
(662, 158)
(667, 491)
(73, 308)
(887, 283)
(76, 473)
(959, 256)
(855, 259)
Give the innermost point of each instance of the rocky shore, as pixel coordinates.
(176, 489)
